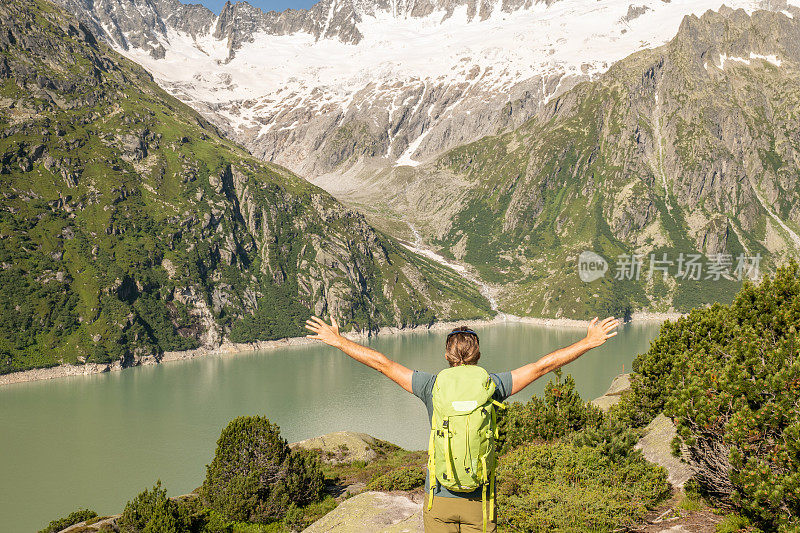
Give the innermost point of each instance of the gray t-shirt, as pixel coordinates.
(422, 387)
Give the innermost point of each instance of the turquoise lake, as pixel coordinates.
(96, 441)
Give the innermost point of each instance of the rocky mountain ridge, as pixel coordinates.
(359, 85)
(689, 148)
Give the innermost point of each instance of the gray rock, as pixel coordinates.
(372, 512)
(620, 384)
(656, 448)
(341, 447)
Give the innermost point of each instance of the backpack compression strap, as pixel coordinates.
(448, 450)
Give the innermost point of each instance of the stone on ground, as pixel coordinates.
(340, 447)
(620, 384)
(372, 512)
(656, 448)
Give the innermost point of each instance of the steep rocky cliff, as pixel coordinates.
(130, 226)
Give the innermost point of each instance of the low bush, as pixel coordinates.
(563, 487)
(73, 518)
(403, 478)
(734, 523)
(389, 458)
(153, 512)
(560, 412)
(730, 378)
(255, 476)
(612, 438)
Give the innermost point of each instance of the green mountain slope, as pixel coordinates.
(130, 226)
(692, 147)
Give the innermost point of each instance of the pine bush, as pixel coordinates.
(255, 476)
(730, 378)
(560, 412)
(561, 487)
(153, 512)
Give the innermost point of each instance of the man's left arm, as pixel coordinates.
(329, 334)
(596, 335)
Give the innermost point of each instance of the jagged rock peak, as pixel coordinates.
(145, 23)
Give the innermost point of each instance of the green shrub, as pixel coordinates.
(561, 487)
(652, 378)
(153, 512)
(562, 411)
(612, 438)
(691, 502)
(403, 478)
(730, 377)
(254, 476)
(733, 523)
(72, 518)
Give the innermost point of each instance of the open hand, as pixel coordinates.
(329, 334)
(599, 333)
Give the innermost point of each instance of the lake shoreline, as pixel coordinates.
(228, 347)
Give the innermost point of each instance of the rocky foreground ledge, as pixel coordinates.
(379, 512)
(401, 512)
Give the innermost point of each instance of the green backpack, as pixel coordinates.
(461, 450)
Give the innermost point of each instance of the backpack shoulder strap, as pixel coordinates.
(431, 463)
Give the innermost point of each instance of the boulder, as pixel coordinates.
(372, 512)
(620, 384)
(341, 447)
(656, 448)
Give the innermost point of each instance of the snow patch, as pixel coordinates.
(769, 59)
(405, 157)
(277, 73)
(723, 58)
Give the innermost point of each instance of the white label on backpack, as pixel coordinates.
(468, 405)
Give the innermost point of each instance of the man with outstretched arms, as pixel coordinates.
(461, 403)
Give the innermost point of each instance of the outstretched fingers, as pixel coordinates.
(318, 320)
(610, 325)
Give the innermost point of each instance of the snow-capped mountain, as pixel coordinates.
(363, 83)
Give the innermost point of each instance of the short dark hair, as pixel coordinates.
(462, 347)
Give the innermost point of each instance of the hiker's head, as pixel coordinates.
(461, 347)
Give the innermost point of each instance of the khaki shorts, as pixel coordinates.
(456, 515)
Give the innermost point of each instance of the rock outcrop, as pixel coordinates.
(656, 441)
(618, 386)
(656, 446)
(340, 447)
(372, 512)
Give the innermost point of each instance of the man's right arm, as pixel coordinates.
(329, 334)
(596, 335)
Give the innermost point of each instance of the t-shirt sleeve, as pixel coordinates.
(503, 384)
(422, 385)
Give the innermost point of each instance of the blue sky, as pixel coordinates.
(266, 5)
